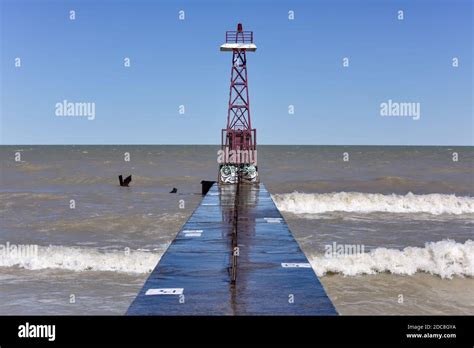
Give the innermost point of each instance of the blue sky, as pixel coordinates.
(298, 62)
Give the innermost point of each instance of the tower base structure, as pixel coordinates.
(238, 173)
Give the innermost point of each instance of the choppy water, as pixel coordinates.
(411, 208)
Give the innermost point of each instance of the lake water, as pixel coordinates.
(402, 215)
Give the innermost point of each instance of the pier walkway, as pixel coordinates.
(234, 256)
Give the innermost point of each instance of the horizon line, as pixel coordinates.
(137, 144)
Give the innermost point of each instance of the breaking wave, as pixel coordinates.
(315, 203)
(445, 259)
(80, 259)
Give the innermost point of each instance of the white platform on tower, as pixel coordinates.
(240, 46)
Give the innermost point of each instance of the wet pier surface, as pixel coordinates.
(234, 256)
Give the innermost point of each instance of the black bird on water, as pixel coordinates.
(124, 183)
(174, 190)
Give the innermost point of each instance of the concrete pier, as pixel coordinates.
(234, 256)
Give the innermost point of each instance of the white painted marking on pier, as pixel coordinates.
(193, 233)
(209, 204)
(165, 291)
(273, 220)
(296, 265)
(213, 193)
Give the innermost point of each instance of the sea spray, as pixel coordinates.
(316, 203)
(84, 259)
(445, 259)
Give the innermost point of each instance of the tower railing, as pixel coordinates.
(239, 36)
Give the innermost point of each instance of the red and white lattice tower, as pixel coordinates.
(238, 155)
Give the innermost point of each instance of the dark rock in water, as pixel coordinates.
(174, 190)
(126, 182)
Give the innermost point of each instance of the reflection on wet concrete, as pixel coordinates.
(227, 259)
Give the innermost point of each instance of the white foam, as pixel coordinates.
(445, 259)
(315, 203)
(83, 259)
